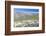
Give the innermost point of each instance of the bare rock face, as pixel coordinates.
(27, 24)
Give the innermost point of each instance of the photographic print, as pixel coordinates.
(24, 17)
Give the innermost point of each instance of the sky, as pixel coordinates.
(25, 10)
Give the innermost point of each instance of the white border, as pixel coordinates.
(26, 28)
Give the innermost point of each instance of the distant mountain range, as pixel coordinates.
(23, 14)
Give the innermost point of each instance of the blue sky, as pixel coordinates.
(25, 10)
